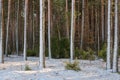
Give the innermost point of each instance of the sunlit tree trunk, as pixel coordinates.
(25, 30)
(7, 28)
(41, 45)
(72, 30)
(115, 54)
(1, 31)
(108, 37)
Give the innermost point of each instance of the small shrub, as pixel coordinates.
(91, 55)
(27, 68)
(72, 66)
(119, 51)
(60, 48)
(31, 53)
(64, 48)
(55, 47)
(119, 73)
(77, 53)
(36, 51)
(82, 54)
(102, 52)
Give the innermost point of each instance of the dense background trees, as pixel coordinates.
(92, 25)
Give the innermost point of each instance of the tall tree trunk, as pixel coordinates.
(67, 22)
(1, 31)
(44, 34)
(72, 31)
(108, 37)
(41, 47)
(8, 23)
(25, 29)
(82, 27)
(98, 31)
(49, 29)
(102, 19)
(33, 2)
(17, 25)
(115, 65)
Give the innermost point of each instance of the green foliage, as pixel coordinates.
(72, 66)
(60, 48)
(36, 50)
(119, 51)
(82, 54)
(64, 48)
(31, 53)
(55, 47)
(27, 68)
(59, 4)
(46, 52)
(91, 55)
(77, 52)
(119, 73)
(102, 52)
(9, 52)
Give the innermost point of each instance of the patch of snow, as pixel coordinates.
(13, 69)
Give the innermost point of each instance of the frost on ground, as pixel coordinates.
(13, 69)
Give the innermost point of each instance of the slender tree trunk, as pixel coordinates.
(41, 47)
(67, 22)
(115, 65)
(25, 30)
(8, 23)
(72, 31)
(111, 36)
(102, 19)
(106, 20)
(33, 2)
(82, 27)
(49, 29)
(98, 31)
(108, 37)
(1, 31)
(51, 14)
(17, 25)
(44, 34)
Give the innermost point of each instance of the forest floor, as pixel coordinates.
(13, 69)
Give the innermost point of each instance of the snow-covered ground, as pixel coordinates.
(13, 69)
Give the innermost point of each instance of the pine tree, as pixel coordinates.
(108, 37)
(115, 54)
(49, 29)
(1, 31)
(72, 30)
(25, 29)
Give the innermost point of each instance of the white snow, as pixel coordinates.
(13, 69)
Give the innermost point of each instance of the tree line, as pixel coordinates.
(52, 27)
